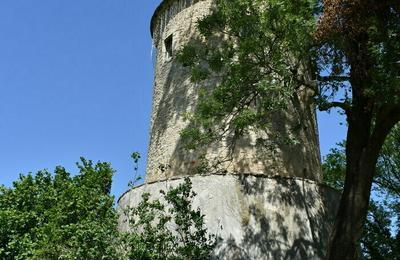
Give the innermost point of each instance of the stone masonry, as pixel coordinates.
(173, 25)
(265, 205)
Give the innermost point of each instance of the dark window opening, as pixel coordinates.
(168, 46)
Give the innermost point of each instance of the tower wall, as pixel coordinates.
(173, 25)
(265, 205)
(256, 217)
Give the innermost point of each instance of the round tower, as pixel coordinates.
(173, 25)
(265, 204)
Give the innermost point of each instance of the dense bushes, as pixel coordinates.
(59, 216)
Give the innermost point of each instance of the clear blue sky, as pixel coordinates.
(76, 80)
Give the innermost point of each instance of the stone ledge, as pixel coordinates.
(259, 175)
(257, 217)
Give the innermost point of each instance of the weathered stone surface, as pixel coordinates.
(258, 217)
(275, 211)
(175, 96)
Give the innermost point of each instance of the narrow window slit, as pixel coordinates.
(168, 46)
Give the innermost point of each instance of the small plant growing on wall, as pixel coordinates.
(168, 228)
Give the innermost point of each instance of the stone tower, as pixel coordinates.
(270, 206)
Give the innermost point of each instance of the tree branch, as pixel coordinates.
(333, 78)
(386, 119)
(328, 105)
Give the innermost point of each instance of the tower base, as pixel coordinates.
(257, 217)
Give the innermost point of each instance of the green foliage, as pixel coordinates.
(168, 228)
(261, 53)
(377, 241)
(57, 216)
(382, 227)
(334, 167)
(376, 24)
(136, 158)
(257, 50)
(389, 162)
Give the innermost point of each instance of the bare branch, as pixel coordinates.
(343, 105)
(333, 78)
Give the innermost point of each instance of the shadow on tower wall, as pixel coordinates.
(270, 234)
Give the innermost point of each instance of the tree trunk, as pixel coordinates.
(361, 157)
(362, 151)
(355, 199)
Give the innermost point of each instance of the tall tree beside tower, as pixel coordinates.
(366, 36)
(344, 53)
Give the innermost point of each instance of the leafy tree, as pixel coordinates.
(377, 241)
(168, 228)
(365, 38)
(257, 50)
(380, 239)
(58, 216)
(264, 51)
